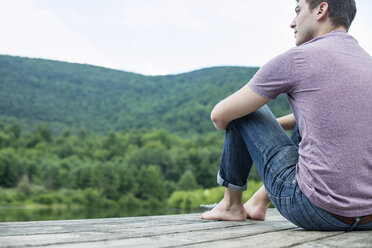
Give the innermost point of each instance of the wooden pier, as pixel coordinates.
(185, 230)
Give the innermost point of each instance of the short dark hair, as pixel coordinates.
(341, 12)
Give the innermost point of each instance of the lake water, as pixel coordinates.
(26, 214)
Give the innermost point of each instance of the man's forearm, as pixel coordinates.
(288, 122)
(239, 104)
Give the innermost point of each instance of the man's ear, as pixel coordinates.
(322, 11)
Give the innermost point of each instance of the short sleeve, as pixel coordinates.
(275, 77)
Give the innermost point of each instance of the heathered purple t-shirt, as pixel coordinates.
(328, 81)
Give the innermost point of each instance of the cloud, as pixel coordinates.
(155, 36)
(187, 35)
(29, 31)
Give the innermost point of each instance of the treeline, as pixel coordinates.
(162, 140)
(131, 168)
(76, 96)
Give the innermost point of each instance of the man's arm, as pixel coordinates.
(239, 104)
(287, 122)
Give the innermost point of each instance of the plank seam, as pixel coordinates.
(237, 237)
(153, 235)
(317, 239)
(67, 232)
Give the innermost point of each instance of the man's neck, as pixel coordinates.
(328, 29)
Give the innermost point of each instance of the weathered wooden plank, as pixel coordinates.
(65, 226)
(140, 235)
(176, 230)
(275, 239)
(356, 239)
(113, 225)
(118, 232)
(185, 238)
(128, 220)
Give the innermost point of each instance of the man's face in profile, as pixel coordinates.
(304, 23)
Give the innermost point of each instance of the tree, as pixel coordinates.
(150, 184)
(127, 179)
(10, 168)
(66, 133)
(45, 132)
(16, 130)
(82, 176)
(107, 180)
(24, 185)
(187, 181)
(4, 140)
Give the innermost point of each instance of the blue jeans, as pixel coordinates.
(258, 138)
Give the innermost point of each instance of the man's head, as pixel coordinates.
(317, 17)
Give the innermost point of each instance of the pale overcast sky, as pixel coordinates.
(155, 37)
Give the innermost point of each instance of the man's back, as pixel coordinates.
(329, 85)
(336, 155)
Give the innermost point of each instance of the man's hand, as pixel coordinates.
(288, 122)
(239, 104)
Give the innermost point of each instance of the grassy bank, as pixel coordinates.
(193, 198)
(38, 197)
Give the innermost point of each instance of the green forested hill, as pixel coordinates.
(75, 96)
(111, 153)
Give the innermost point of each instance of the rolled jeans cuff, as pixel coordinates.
(226, 184)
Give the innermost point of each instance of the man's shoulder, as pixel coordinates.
(331, 42)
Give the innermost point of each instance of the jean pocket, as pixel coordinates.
(284, 176)
(290, 209)
(282, 204)
(308, 218)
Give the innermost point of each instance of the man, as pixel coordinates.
(320, 179)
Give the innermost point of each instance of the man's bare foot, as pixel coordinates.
(257, 205)
(255, 211)
(224, 211)
(230, 208)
